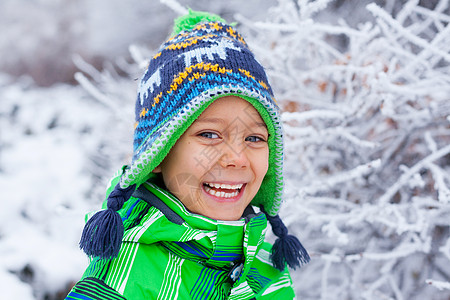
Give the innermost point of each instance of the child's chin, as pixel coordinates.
(225, 215)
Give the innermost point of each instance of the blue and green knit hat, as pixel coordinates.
(204, 60)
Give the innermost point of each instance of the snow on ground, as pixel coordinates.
(45, 137)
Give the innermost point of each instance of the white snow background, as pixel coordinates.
(365, 92)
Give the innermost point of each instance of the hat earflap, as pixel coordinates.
(102, 235)
(287, 248)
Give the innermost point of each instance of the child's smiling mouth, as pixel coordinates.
(224, 191)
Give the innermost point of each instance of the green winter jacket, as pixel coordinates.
(170, 253)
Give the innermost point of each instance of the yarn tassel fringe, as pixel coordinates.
(102, 235)
(287, 249)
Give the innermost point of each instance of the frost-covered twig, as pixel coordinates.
(313, 114)
(138, 57)
(440, 285)
(446, 249)
(85, 67)
(440, 176)
(416, 168)
(308, 9)
(175, 6)
(83, 81)
(300, 28)
(331, 181)
(378, 12)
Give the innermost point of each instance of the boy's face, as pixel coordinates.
(218, 164)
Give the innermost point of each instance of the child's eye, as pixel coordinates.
(254, 139)
(209, 135)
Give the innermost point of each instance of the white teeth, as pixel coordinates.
(209, 190)
(225, 186)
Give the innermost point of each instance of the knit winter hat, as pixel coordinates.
(205, 60)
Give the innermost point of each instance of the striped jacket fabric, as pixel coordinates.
(170, 253)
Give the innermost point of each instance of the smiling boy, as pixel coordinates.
(222, 187)
(179, 223)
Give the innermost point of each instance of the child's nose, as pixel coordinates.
(234, 155)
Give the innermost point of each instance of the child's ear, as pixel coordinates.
(157, 169)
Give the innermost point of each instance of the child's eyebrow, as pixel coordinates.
(260, 124)
(210, 120)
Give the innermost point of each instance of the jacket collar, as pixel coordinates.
(215, 243)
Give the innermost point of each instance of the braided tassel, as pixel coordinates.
(102, 235)
(287, 248)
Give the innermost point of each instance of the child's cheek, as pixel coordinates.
(184, 186)
(205, 158)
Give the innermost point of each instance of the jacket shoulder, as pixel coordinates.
(93, 289)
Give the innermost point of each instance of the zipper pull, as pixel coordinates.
(236, 271)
